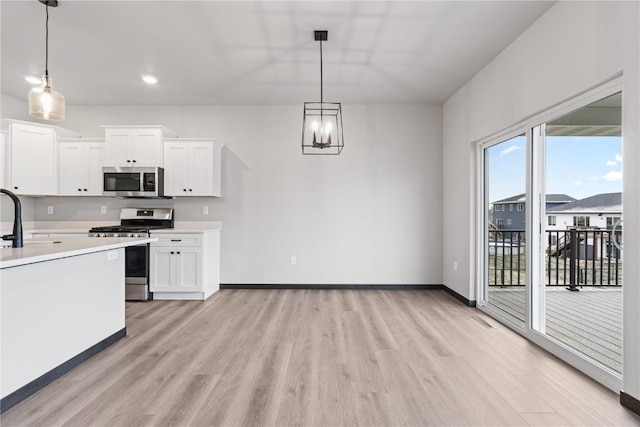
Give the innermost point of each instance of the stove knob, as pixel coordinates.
(102, 235)
(116, 234)
(131, 235)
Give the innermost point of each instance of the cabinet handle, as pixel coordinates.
(190, 189)
(85, 189)
(184, 189)
(178, 252)
(171, 252)
(134, 161)
(128, 161)
(176, 240)
(79, 189)
(15, 188)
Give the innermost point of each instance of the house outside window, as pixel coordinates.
(510, 206)
(581, 221)
(499, 222)
(611, 220)
(509, 221)
(551, 220)
(520, 206)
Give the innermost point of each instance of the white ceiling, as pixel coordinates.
(242, 52)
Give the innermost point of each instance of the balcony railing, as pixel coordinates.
(574, 257)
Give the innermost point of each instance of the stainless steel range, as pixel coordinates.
(137, 222)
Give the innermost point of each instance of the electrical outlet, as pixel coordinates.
(111, 255)
(49, 210)
(455, 265)
(103, 210)
(205, 210)
(293, 260)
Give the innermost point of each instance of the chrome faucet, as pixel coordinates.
(17, 220)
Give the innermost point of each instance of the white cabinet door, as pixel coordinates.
(118, 143)
(201, 169)
(33, 160)
(147, 149)
(188, 269)
(72, 169)
(163, 269)
(80, 168)
(94, 160)
(176, 169)
(192, 168)
(134, 147)
(3, 165)
(176, 269)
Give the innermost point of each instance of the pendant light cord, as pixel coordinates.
(46, 44)
(321, 97)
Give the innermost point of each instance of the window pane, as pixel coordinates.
(505, 258)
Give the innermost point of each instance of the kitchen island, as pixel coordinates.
(61, 301)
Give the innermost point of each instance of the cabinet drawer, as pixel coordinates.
(177, 239)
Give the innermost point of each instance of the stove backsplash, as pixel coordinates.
(89, 208)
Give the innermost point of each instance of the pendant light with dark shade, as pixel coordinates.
(322, 121)
(45, 102)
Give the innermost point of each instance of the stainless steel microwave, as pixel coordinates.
(132, 182)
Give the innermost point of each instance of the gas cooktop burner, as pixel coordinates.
(115, 228)
(118, 231)
(136, 222)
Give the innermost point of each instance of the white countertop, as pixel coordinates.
(184, 227)
(46, 248)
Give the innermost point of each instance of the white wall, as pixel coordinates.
(572, 47)
(11, 107)
(369, 216)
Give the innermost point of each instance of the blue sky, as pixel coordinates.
(577, 166)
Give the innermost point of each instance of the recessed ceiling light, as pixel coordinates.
(34, 80)
(150, 79)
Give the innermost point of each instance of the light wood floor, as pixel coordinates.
(324, 358)
(589, 321)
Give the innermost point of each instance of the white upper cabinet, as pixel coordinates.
(192, 167)
(32, 161)
(135, 145)
(81, 162)
(3, 171)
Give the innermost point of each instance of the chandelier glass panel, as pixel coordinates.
(322, 121)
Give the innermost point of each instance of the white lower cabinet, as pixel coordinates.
(176, 269)
(185, 266)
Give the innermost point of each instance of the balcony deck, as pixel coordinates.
(589, 321)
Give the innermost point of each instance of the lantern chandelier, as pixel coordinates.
(322, 121)
(44, 101)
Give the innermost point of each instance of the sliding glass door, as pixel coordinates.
(550, 226)
(504, 227)
(581, 259)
